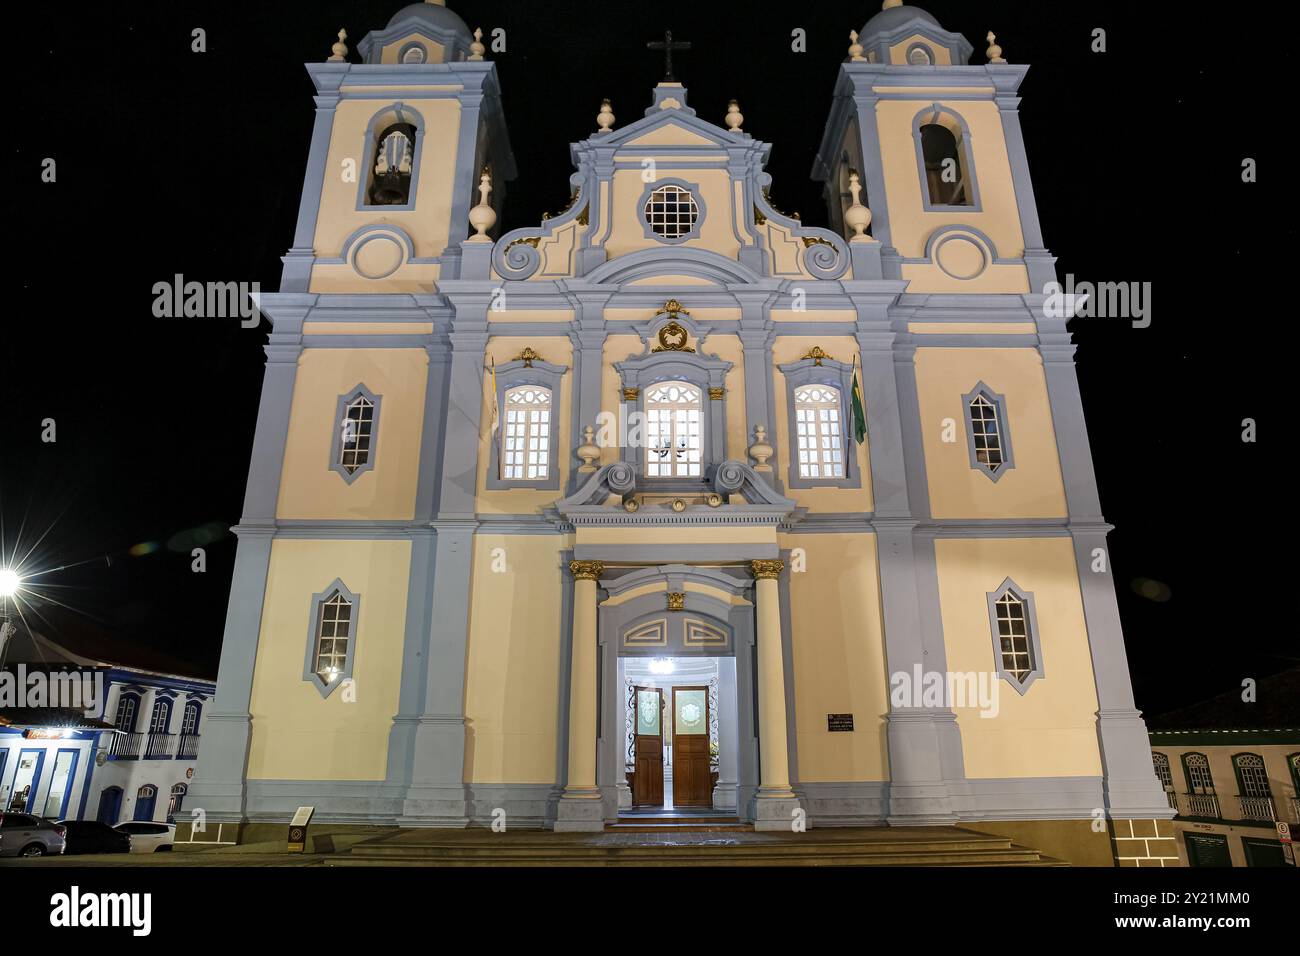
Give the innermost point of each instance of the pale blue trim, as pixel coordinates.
(369, 151)
(968, 152)
(1031, 625)
(510, 375)
(336, 443)
(999, 403)
(318, 599)
(696, 194)
(838, 376)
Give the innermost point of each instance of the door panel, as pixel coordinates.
(691, 780)
(648, 748)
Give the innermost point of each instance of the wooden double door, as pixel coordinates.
(685, 720)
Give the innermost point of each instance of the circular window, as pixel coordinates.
(413, 54)
(671, 212)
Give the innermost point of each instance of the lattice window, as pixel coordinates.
(125, 714)
(671, 212)
(162, 715)
(1161, 764)
(1013, 636)
(986, 432)
(1199, 778)
(190, 719)
(333, 631)
(526, 441)
(1253, 776)
(673, 431)
(356, 434)
(820, 432)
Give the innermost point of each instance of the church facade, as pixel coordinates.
(671, 500)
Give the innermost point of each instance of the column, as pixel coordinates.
(725, 794)
(580, 806)
(775, 802)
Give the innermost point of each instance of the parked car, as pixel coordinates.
(149, 837)
(91, 836)
(22, 834)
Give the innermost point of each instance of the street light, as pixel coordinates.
(9, 582)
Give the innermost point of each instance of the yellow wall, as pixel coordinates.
(628, 232)
(911, 226)
(1033, 488)
(309, 488)
(839, 657)
(1051, 730)
(427, 224)
(513, 680)
(297, 734)
(792, 348)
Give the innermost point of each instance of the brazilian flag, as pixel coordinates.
(859, 416)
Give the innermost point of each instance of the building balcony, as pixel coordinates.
(161, 746)
(1202, 805)
(125, 746)
(1257, 808)
(188, 749)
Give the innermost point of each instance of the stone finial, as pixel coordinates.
(340, 49)
(734, 117)
(891, 3)
(855, 48)
(477, 49)
(760, 450)
(483, 217)
(605, 119)
(857, 216)
(995, 51)
(588, 451)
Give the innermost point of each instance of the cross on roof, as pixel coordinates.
(668, 45)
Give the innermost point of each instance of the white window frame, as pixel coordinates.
(998, 404)
(526, 434)
(351, 471)
(818, 442)
(676, 414)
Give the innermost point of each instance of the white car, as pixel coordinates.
(149, 837)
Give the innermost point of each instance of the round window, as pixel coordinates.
(671, 212)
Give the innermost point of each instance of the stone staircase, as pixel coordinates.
(702, 842)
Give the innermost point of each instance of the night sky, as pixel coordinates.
(170, 161)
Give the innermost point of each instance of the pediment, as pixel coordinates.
(671, 134)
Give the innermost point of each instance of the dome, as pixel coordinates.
(891, 18)
(435, 14)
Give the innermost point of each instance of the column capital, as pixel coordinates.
(766, 569)
(586, 570)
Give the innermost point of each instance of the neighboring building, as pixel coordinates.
(452, 564)
(1231, 769)
(133, 760)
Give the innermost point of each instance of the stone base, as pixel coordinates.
(579, 814)
(435, 807)
(776, 811)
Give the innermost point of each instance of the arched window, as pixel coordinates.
(671, 212)
(819, 431)
(394, 159)
(526, 440)
(1252, 775)
(162, 715)
(333, 632)
(944, 154)
(919, 56)
(1161, 763)
(1199, 778)
(126, 708)
(414, 53)
(672, 434)
(177, 798)
(190, 719)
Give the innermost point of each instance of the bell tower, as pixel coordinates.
(936, 140)
(397, 152)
